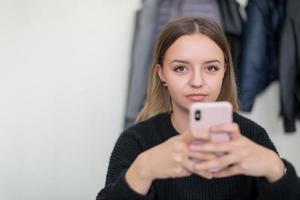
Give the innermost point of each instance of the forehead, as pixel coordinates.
(194, 48)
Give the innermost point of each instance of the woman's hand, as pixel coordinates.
(173, 157)
(243, 156)
(170, 159)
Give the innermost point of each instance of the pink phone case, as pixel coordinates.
(207, 114)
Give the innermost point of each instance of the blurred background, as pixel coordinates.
(64, 76)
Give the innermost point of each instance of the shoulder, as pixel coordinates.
(148, 125)
(150, 132)
(248, 127)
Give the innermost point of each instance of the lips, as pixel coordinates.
(196, 96)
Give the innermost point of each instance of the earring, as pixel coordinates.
(164, 83)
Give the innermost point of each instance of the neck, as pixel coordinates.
(180, 120)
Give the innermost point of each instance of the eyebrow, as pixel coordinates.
(186, 62)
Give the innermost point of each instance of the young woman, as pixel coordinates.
(154, 158)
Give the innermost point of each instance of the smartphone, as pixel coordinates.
(204, 115)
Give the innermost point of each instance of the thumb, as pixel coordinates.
(187, 136)
(201, 135)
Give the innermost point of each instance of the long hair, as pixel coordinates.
(158, 98)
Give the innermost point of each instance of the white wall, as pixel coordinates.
(63, 77)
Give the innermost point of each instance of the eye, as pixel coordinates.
(212, 68)
(180, 68)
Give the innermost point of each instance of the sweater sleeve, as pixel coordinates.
(286, 188)
(125, 151)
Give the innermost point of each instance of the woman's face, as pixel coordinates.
(193, 69)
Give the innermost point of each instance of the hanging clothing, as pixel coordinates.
(233, 27)
(289, 68)
(258, 65)
(140, 58)
(170, 9)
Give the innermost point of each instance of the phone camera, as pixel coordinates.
(198, 115)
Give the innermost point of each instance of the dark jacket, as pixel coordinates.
(233, 26)
(258, 64)
(289, 69)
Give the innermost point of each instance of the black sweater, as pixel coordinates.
(158, 129)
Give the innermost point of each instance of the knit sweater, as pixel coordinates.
(158, 129)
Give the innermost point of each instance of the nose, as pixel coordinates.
(196, 79)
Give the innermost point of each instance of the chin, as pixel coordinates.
(182, 107)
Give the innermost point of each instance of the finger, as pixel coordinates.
(204, 174)
(221, 162)
(231, 128)
(213, 147)
(205, 136)
(180, 171)
(189, 165)
(187, 136)
(192, 137)
(229, 171)
(202, 155)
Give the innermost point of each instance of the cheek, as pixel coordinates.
(174, 88)
(176, 85)
(215, 83)
(176, 82)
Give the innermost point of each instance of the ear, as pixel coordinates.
(160, 72)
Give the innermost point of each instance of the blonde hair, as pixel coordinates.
(158, 98)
